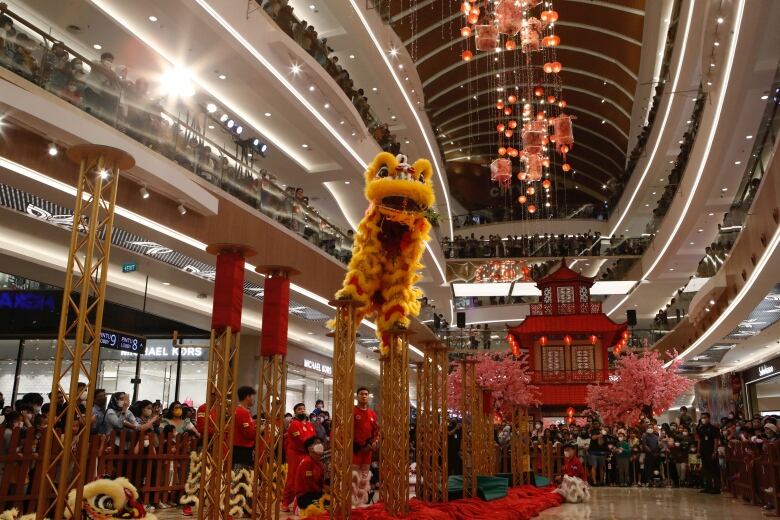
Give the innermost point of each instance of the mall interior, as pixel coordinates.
(213, 210)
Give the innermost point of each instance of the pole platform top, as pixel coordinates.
(246, 251)
(270, 270)
(344, 303)
(113, 156)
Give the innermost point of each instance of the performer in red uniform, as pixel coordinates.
(244, 428)
(310, 476)
(299, 431)
(572, 465)
(364, 442)
(200, 418)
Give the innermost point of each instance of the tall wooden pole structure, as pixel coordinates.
(64, 454)
(394, 440)
(217, 453)
(269, 435)
(432, 422)
(520, 447)
(343, 430)
(470, 418)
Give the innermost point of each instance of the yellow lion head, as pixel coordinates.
(399, 190)
(107, 498)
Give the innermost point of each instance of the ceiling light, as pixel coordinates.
(181, 209)
(712, 302)
(144, 192)
(230, 123)
(401, 66)
(393, 118)
(709, 83)
(710, 214)
(374, 89)
(166, 283)
(691, 243)
(152, 18)
(712, 64)
(239, 129)
(603, 100)
(406, 141)
(211, 108)
(295, 69)
(53, 149)
(223, 118)
(716, 43)
(211, 127)
(222, 76)
(603, 121)
(737, 162)
(700, 230)
(177, 83)
(312, 7)
(352, 56)
(97, 46)
(655, 192)
(724, 189)
(748, 137)
(720, 19)
(765, 96)
(603, 186)
(311, 88)
(305, 145)
(346, 182)
(546, 204)
(267, 114)
(671, 268)
(103, 173)
(327, 105)
(647, 205)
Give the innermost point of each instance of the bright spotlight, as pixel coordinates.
(144, 192)
(53, 149)
(239, 129)
(211, 107)
(230, 123)
(181, 209)
(177, 82)
(223, 118)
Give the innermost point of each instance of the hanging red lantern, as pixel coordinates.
(556, 67)
(473, 18)
(467, 55)
(465, 7)
(546, 162)
(593, 339)
(567, 340)
(513, 152)
(522, 199)
(551, 41)
(565, 167)
(507, 111)
(465, 31)
(474, 11)
(540, 116)
(551, 139)
(521, 176)
(551, 99)
(511, 45)
(500, 127)
(545, 140)
(570, 412)
(543, 340)
(562, 103)
(511, 98)
(547, 67)
(564, 148)
(499, 104)
(508, 132)
(625, 334)
(538, 91)
(531, 208)
(549, 16)
(546, 184)
(531, 190)
(512, 123)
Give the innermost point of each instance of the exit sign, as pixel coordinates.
(129, 267)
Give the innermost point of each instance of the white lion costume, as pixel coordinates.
(574, 490)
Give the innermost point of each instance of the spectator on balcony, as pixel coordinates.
(24, 61)
(7, 37)
(56, 65)
(103, 87)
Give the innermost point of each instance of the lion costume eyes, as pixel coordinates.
(382, 172)
(104, 502)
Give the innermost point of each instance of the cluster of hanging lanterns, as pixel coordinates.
(524, 119)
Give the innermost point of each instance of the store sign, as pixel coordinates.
(37, 301)
(171, 352)
(127, 343)
(129, 267)
(765, 370)
(318, 367)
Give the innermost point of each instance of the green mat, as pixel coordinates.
(488, 488)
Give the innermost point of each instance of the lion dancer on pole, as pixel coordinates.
(365, 442)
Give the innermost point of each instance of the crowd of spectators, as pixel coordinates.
(306, 36)
(541, 245)
(103, 89)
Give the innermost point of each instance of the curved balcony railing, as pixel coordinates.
(188, 132)
(542, 246)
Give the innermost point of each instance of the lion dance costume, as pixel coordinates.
(389, 243)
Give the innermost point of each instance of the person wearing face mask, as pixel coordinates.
(623, 459)
(101, 95)
(175, 421)
(709, 440)
(118, 414)
(310, 475)
(651, 447)
(35, 400)
(99, 424)
(679, 453)
(298, 433)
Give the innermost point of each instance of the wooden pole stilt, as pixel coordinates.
(343, 432)
(394, 440)
(64, 454)
(470, 417)
(520, 447)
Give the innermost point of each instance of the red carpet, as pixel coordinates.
(521, 503)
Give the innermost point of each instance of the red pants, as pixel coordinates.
(293, 461)
(362, 458)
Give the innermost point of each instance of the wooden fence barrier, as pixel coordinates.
(156, 464)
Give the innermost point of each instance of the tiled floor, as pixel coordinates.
(630, 504)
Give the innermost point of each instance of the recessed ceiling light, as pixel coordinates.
(211, 108)
(312, 7)
(655, 192)
(374, 89)
(222, 76)
(311, 88)
(671, 268)
(690, 243)
(724, 189)
(720, 19)
(267, 114)
(166, 283)
(305, 145)
(748, 137)
(709, 83)
(406, 141)
(712, 302)
(296, 69)
(688, 122)
(603, 121)
(352, 56)
(647, 205)
(393, 118)
(97, 47)
(700, 230)
(152, 18)
(680, 141)
(710, 214)
(393, 51)
(327, 105)
(603, 186)
(211, 127)
(737, 162)
(716, 43)
(354, 134)
(401, 66)
(765, 96)
(346, 182)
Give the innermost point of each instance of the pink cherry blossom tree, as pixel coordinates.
(640, 384)
(504, 375)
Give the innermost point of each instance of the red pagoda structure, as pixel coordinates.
(568, 340)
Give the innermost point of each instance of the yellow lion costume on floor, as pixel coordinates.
(390, 242)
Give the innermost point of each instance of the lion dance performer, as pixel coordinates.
(389, 243)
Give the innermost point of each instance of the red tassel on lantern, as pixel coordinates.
(593, 339)
(228, 291)
(567, 340)
(543, 340)
(276, 303)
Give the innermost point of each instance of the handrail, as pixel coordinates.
(128, 107)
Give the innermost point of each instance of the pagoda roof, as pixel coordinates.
(564, 274)
(601, 324)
